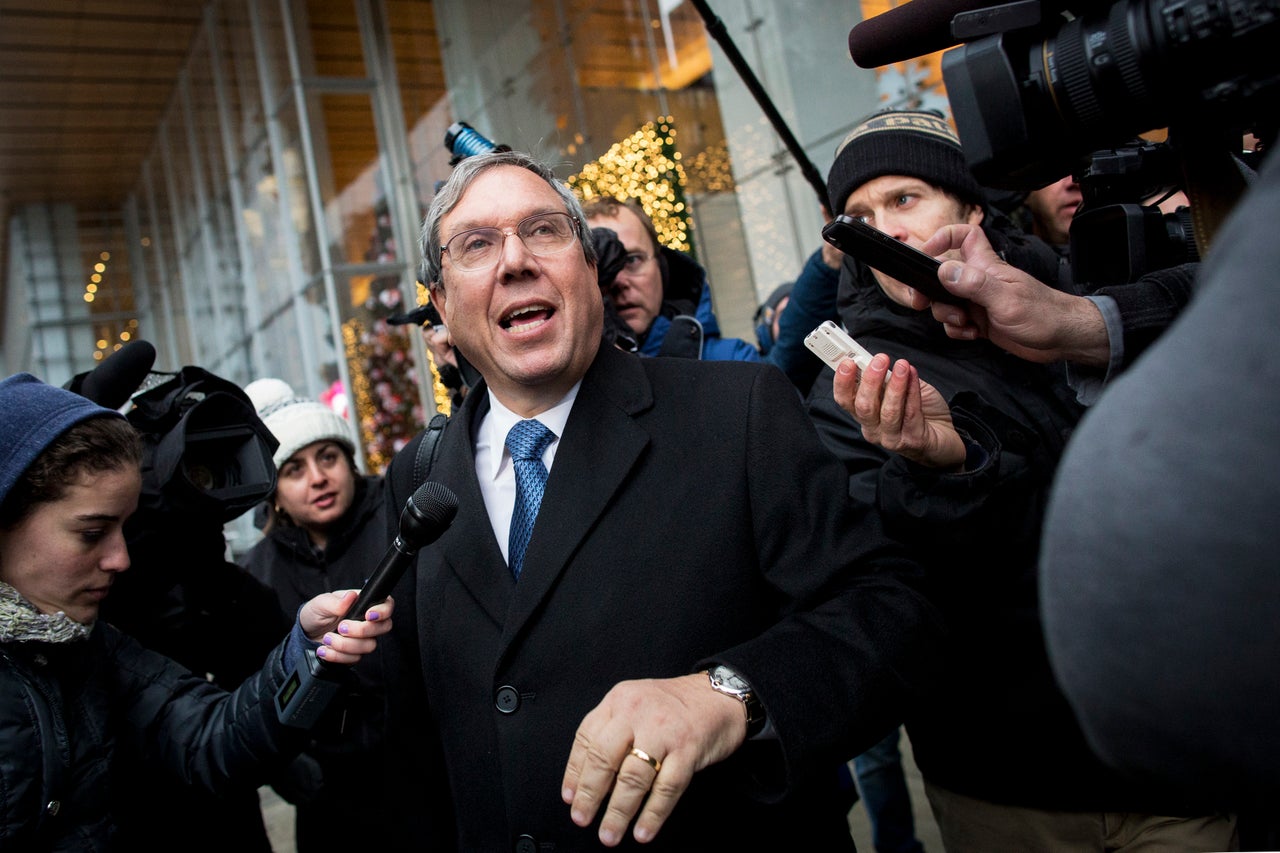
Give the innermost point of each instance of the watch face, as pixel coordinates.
(731, 680)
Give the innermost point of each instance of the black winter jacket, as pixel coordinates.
(348, 740)
(72, 714)
(995, 727)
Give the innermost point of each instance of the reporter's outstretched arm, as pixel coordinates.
(1014, 311)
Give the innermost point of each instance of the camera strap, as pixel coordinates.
(428, 448)
(1213, 180)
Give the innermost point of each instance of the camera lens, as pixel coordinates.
(1031, 104)
(1092, 71)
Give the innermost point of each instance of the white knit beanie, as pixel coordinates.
(295, 421)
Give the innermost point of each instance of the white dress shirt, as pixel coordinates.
(494, 470)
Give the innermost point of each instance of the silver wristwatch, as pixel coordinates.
(725, 680)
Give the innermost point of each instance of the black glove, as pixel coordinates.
(611, 256)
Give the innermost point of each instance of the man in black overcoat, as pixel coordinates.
(702, 627)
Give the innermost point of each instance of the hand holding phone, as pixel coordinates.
(833, 345)
(890, 256)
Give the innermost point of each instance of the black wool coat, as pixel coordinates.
(691, 516)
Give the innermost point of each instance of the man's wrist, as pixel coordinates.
(1084, 337)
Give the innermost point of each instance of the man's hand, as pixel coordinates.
(1010, 308)
(680, 725)
(899, 412)
(440, 344)
(343, 640)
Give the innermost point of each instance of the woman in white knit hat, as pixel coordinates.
(315, 460)
(325, 525)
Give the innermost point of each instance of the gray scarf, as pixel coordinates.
(21, 622)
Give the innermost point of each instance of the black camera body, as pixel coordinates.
(1031, 103)
(206, 453)
(1115, 239)
(206, 459)
(1070, 92)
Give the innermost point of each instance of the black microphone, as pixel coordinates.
(111, 383)
(907, 31)
(427, 514)
(309, 689)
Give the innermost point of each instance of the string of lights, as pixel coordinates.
(108, 340)
(644, 166)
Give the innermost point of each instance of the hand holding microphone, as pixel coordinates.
(308, 690)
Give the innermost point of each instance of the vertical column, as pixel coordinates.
(393, 138)
(272, 107)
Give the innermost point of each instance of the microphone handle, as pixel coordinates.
(384, 578)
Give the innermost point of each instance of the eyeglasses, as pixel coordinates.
(542, 234)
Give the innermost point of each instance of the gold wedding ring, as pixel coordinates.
(647, 759)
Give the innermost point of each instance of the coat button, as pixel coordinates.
(526, 844)
(53, 807)
(507, 699)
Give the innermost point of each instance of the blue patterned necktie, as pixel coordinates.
(526, 441)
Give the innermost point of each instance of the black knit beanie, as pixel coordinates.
(917, 144)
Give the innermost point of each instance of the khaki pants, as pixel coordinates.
(969, 825)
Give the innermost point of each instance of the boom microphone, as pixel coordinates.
(309, 689)
(913, 29)
(113, 382)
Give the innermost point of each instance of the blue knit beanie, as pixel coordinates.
(32, 415)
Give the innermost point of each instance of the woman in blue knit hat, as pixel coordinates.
(76, 695)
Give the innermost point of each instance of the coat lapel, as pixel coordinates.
(469, 548)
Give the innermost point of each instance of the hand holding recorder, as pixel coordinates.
(895, 408)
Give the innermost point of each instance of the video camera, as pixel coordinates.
(206, 453)
(1044, 88)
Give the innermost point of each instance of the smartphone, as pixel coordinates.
(890, 256)
(833, 345)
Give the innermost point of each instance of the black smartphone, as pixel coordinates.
(890, 256)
